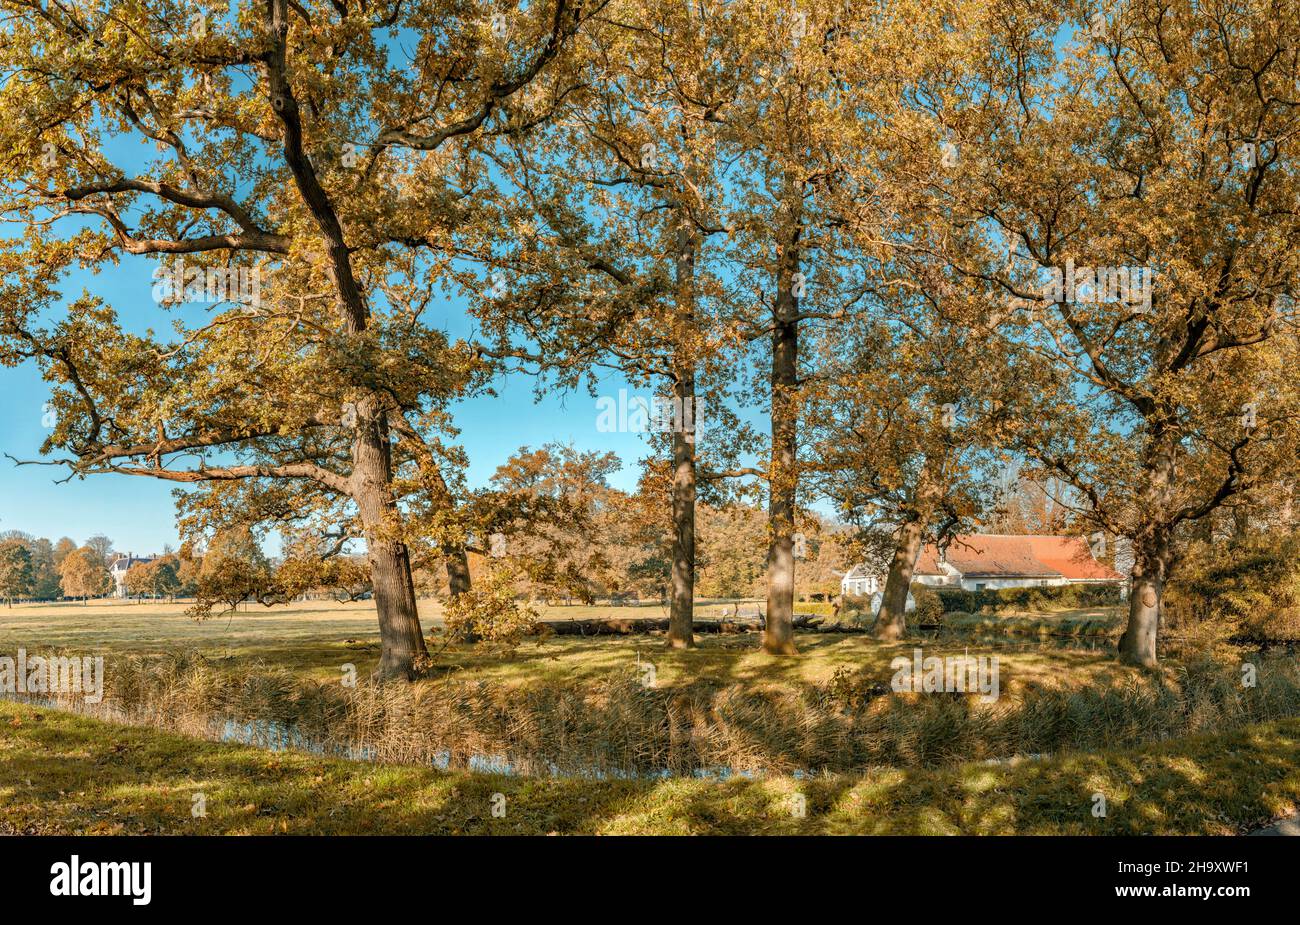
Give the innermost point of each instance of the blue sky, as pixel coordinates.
(138, 513)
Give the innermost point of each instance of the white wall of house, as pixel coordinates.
(950, 578)
(933, 581)
(992, 584)
(860, 586)
(879, 598)
(120, 567)
(873, 586)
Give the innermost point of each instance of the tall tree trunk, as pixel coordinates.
(682, 608)
(891, 622)
(681, 615)
(1204, 529)
(783, 476)
(1137, 646)
(457, 559)
(401, 640)
(1240, 520)
(1152, 553)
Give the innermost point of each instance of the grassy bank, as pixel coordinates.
(624, 722)
(63, 774)
(628, 705)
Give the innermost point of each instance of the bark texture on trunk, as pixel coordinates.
(1138, 644)
(401, 640)
(682, 606)
(891, 622)
(458, 580)
(778, 636)
(681, 614)
(1240, 521)
(1152, 553)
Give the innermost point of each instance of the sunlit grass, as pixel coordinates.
(314, 639)
(61, 773)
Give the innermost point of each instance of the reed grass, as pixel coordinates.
(618, 727)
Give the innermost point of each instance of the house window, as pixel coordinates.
(980, 586)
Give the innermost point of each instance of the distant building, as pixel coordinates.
(975, 562)
(862, 579)
(121, 565)
(866, 580)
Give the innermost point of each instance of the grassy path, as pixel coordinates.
(65, 774)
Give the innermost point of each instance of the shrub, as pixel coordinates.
(490, 613)
(1248, 587)
(929, 609)
(857, 609)
(1002, 600)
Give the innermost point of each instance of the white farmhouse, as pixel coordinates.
(974, 562)
(869, 581)
(121, 565)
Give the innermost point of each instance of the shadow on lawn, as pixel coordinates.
(62, 773)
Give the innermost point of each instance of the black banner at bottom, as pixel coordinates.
(335, 875)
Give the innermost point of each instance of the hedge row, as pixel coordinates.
(999, 600)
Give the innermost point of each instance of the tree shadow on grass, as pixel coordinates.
(67, 774)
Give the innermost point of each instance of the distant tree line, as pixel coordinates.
(35, 569)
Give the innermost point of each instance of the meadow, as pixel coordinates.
(313, 639)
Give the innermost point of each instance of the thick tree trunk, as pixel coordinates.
(1204, 529)
(891, 622)
(1240, 521)
(401, 640)
(1138, 644)
(778, 637)
(1152, 553)
(457, 560)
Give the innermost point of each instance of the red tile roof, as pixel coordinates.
(1002, 556)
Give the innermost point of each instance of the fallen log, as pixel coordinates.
(839, 627)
